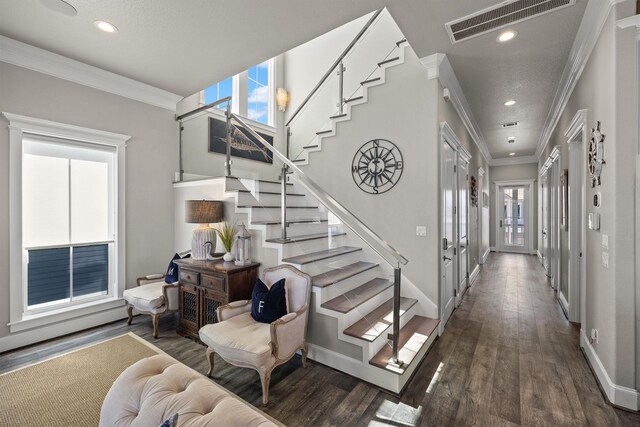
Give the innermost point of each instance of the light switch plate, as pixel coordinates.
(421, 230)
(605, 241)
(605, 259)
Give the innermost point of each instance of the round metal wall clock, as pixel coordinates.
(377, 166)
(596, 155)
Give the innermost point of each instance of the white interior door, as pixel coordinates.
(554, 257)
(463, 227)
(448, 238)
(544, 250)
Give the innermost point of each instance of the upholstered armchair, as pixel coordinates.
(152, 296)
(244, 342)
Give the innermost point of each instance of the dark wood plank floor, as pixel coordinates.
(508, 357)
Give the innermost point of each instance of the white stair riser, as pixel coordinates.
(337, 289)
(315, 245)
(263, 199)
(275, 230)
(262, 214)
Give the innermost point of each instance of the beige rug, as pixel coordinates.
(68, 390)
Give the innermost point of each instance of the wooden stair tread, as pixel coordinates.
(355, 297)
(309, 146)
(299, 160)
(322, 132)
(353, 99)
(370, 81)
(398, 43)
(257, 180)
(320, 255)
(276, 207)
(268, 192)
(290, 221)
(386, 61)
(373, 324)
(330, 277)
(337, 116)
(412, 337)
(304, 238)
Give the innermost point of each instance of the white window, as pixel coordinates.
(67, 205)
(252, 93)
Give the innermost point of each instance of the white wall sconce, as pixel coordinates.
(282, 99)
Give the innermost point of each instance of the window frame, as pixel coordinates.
(20, 318)
(240, 94)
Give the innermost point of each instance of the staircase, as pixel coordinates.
(351, 304)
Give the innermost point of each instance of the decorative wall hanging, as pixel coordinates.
(377, 166)
(473, 191)
(242, 144)
(596, 155)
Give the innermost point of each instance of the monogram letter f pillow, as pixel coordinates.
(268, 304)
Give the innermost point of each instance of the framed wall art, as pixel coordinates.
(243, 145)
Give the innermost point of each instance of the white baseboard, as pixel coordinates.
(485, 255)
(539, 255)
(474, 275)
(492, 249)
(618, 395)
(32, 336)
(563, 302)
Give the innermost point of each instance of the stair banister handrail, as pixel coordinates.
(319, 193)
(334, 65)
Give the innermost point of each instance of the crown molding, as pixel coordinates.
(593, 21)
(520, 160)
(43, 61)
(439, 67)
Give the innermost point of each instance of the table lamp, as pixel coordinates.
(203, 212)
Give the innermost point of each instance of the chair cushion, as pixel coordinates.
(268, 304)
(146, 297)
(239, 339)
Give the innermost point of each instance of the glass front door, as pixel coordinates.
(513, 223)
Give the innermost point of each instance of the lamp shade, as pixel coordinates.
(203, 211)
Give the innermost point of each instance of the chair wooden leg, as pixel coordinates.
(265, 378)
(305, 350)
(130, 313)
(156, 321)
(210, 354)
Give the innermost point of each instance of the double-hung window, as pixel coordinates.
(67, 230)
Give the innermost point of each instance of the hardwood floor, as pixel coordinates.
(508, 357)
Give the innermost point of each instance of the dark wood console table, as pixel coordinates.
(205, 285)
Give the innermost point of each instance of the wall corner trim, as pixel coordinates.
(589, 31)
(438, 66)
(618, 395)
(40, 60)
(520, 160)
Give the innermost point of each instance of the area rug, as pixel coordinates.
(68, 390)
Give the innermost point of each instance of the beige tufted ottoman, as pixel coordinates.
(154, 389)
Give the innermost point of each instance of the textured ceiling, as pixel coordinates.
(185, 46)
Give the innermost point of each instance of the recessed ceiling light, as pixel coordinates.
(510, 102)
(505, 36)
(105, 26)
(60, 6)
(512, 154)
(511, 139)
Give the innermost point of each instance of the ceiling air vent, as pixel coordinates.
(501, 15)
(510, 124)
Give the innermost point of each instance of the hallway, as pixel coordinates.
(510, 357)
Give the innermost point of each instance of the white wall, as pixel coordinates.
(151, 160)
(603, 89)
(509, 173)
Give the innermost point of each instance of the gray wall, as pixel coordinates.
(509, 173)
(604, 89)
(447, 113)
(151, 160)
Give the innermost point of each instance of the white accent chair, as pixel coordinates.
(152, 296)
(243, 342)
